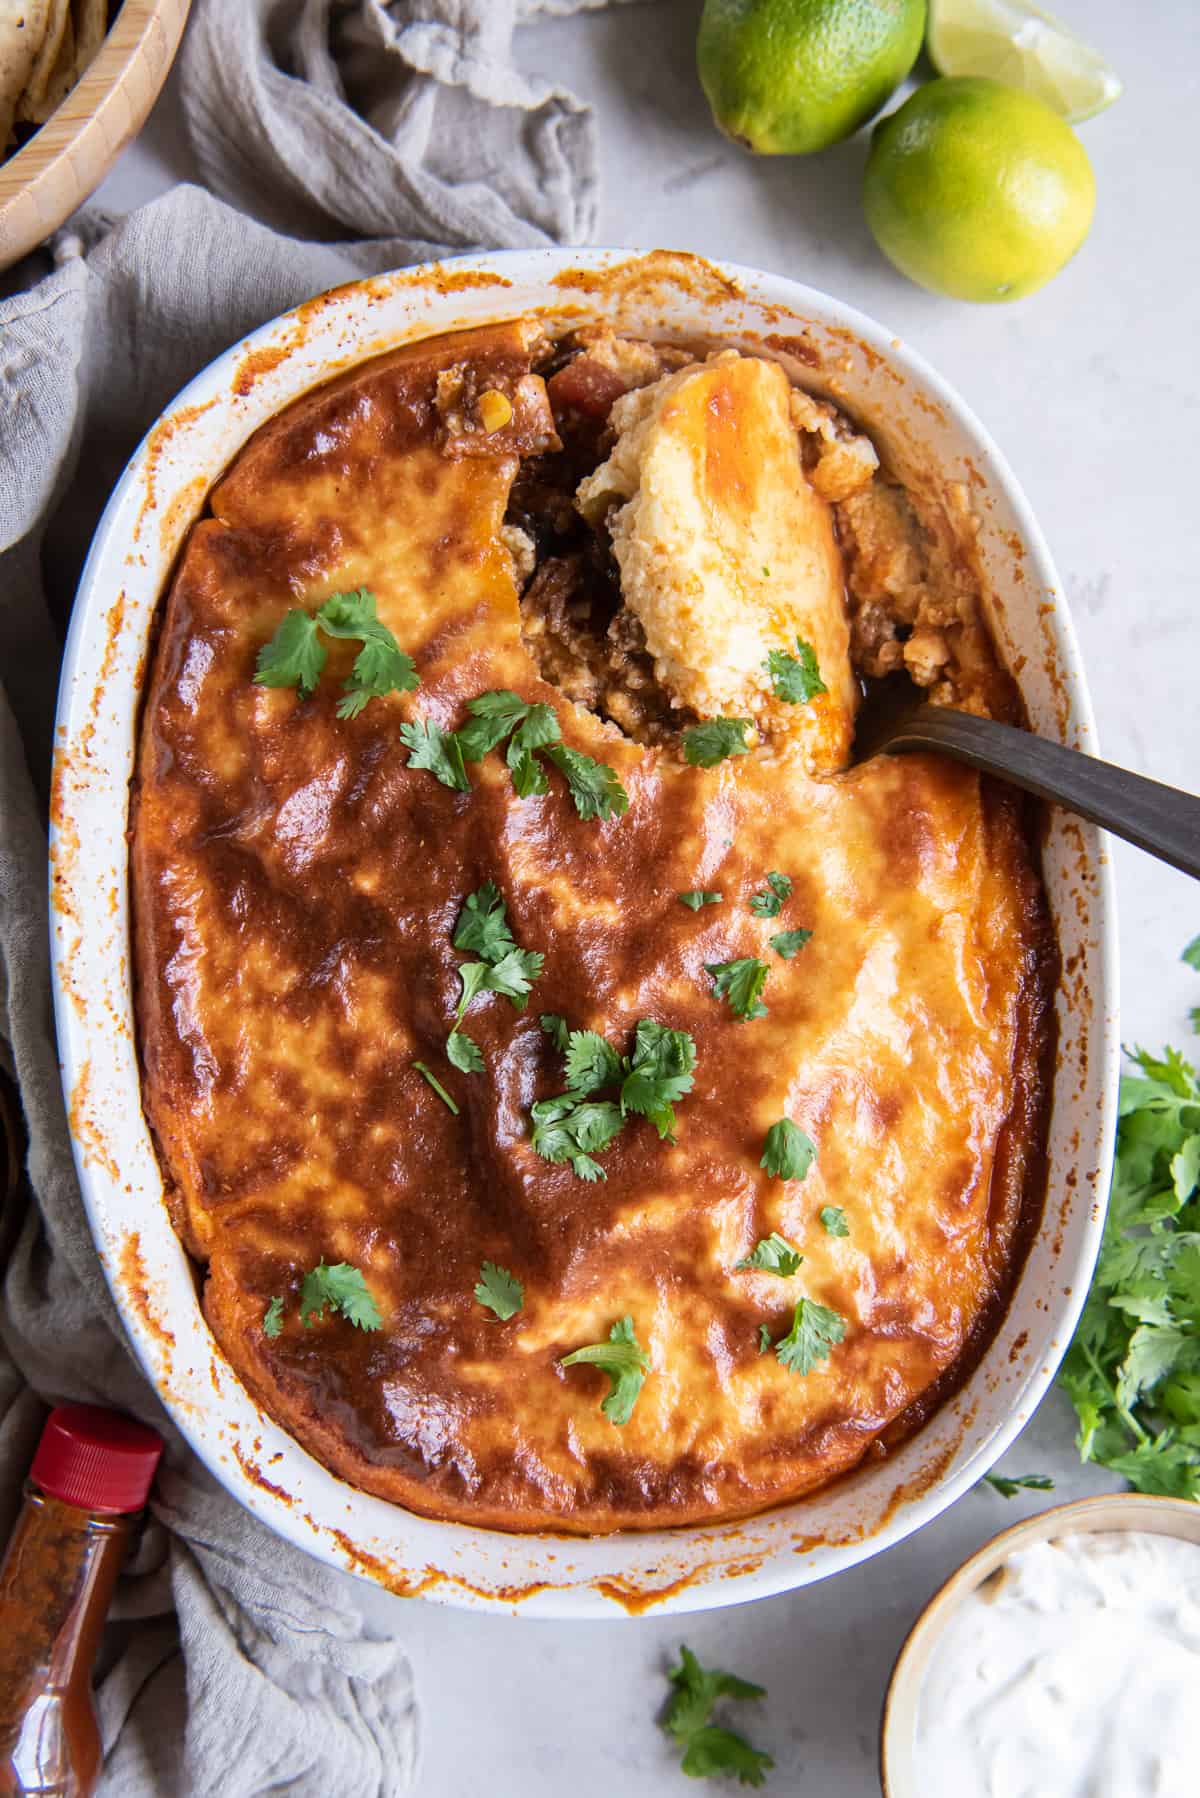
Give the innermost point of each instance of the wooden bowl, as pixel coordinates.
(1178, 1517)
(66, 160)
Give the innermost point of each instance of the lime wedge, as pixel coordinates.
(1024, 47)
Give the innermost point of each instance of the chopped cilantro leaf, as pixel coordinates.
(780, 883)
(538, 728)
(475, 977)
(708, 1747)
(593, 785)
(591, 1062)
(438, 750)
(571, 1128)
(528, 776)
(623, 1360)
(704, 745)
(814, 1332)
(1192, 954)
(1008, 1488)
(740, 982)
(295, 655)
(1194, 1018)
(343, 1287)
(833, 1221)
(764, 1338)
(435, 1083)
(697, 897)
(788, 1151)
(788, 943)
(766, 905)
(796, 679)
(772, 1254)
(500, 1291)
(482, 927)
(514, 974)
(556, 1029)
(492, 717)
(380, 666)
(463, 1052)
(660, 1071)
(272, 1322)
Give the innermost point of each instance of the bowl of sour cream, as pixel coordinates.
(1061, 1661)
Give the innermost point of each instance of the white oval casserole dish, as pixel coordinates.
(923, 425)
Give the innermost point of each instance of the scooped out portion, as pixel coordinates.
(727, 552)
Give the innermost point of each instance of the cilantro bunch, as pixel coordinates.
(1133, 1369)
(576, 1125)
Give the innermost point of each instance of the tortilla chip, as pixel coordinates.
(91, 29)
(30, 107)
(23, 26)
(60, 80)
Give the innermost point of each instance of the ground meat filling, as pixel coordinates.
(573, 622)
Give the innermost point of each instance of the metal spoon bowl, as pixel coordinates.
(895, 720)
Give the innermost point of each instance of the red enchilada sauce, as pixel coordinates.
(89, 1480)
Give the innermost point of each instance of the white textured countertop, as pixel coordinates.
(1092, 389)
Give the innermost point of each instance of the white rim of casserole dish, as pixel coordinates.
(162, 491)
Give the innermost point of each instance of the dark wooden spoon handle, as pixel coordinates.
(1159, 819)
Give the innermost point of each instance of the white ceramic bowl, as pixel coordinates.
(1178, 1517)
(924, 425)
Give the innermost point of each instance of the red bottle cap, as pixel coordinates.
(95, 1459)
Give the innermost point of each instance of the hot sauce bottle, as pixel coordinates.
(90, 1478)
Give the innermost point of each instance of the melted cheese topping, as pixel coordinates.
(296, 884)
(726, 551)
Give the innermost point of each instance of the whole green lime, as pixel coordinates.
(787, 76)
(977, 190)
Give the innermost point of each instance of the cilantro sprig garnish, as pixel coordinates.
(772, 1254)
(557, 1029)
(815, 1332)
(625, 1362)
(698, 897)
(499, 1290)
(709, 1748)
(795, 679)
(788, 1151)
(339, 1287)
(1009, 1487)
(482, 928)
(833, 1221)
(788, 943)
(272, 1322)
(295, 656)
(429, 746)
(532, 730)
(1133, 1369)
(577, 1125)
(715, 740)
(740, 982)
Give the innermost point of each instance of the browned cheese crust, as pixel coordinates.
(296, 884)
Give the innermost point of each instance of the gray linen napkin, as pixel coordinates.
(235, 1665)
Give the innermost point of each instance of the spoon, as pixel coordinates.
(894, 720)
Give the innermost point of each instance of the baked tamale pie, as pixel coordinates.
(593, 1100)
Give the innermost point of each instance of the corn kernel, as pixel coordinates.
(495, 410)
